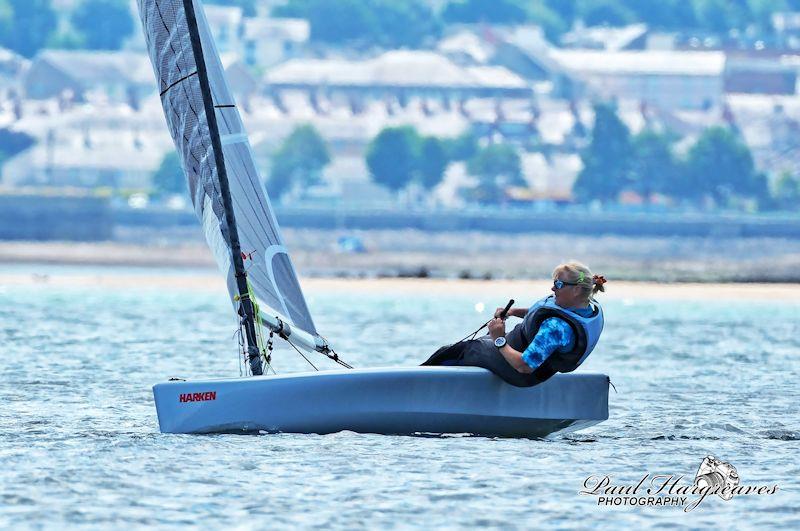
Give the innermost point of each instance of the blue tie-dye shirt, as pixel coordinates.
(554, 334)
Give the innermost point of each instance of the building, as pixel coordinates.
(225, 23)
(12, 67)
(266, 42)
(400, 74)
(614, 39)
(91, 146)
(121, 77)
(668, 79)
(761, 72)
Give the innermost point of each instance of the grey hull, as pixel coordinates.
(397, 401)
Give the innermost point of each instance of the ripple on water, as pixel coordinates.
(79, 440)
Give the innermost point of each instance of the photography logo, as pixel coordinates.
(668, 490)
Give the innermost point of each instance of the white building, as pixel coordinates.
(668, 79)
(91, 146)
(225, 23)
(268, 41)
(411, 72)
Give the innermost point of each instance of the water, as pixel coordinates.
(80, 446)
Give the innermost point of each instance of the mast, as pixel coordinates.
(246, 305)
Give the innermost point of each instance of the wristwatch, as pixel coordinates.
(500, 342)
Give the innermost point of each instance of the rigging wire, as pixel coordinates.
(335, 356)
(301, 353)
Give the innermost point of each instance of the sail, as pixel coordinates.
(270, 272)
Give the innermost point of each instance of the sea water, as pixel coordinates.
(80, 445)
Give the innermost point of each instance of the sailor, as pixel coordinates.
(556, 334)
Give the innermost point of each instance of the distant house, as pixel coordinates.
(632, 37)
(268, 41)
(113, 76)
(86, 154)
(12, 67)
(226, 27)
(398, 73)
(668, 79)
(761, 72)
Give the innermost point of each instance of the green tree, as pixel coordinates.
(786, 191)
(392, 157)
(497, 11)
(720, 15)
(602, 12)
(26, 25)
(105, 24)
(6, 18)
(462, 147)
(169, 177)
(497, 167)
(654, 168)
(386, 23)
(12, 143)
(553, 24)
(299, 161)
(432, 162)
(607, 159)
(721, 166)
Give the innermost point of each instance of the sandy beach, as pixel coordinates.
(198, 281)
(408, 253)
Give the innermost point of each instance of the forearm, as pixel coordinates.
(514, 358)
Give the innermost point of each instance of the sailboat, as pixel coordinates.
(243, 234)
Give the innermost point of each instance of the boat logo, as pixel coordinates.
(714, 476)
(198, 397)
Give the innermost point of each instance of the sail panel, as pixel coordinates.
(272, 276)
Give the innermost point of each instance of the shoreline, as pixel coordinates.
(637, 261)
(212, 281)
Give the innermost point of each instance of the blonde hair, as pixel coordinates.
(577, 272)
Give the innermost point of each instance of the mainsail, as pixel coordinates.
(270, 272)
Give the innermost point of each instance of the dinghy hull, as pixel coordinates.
(392, 401)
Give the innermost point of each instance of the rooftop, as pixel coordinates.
(656, 62)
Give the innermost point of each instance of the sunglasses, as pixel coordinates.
(558, 284)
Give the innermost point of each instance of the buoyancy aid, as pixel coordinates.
(587, 332)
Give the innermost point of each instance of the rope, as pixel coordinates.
(335, 356)
(266, 353)
(303, 355)
(475, 333)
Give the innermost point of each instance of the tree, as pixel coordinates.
(392, 156)
(105, 24)
(720, 165)
(6, 17)
(786, 192)
(12, 143)
(720, 15)
(386, 23)
(605, 12)
(497, 11)
(497, 167)
(26, 25)
(462, 147)
(432, 162)
(299, 161)
(607, 159)
(169, 177)
(654, 167)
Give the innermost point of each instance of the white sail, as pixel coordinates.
(269, 269)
